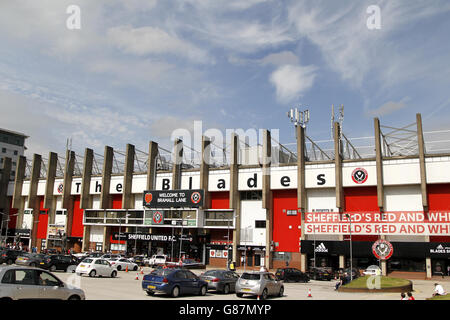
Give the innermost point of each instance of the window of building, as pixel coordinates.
(16, 152)
(4, 150)
(14, 164)
(251, 195)
(13, 173)
(260, 224)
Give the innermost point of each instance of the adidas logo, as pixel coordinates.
(440, 247)
(321, 248)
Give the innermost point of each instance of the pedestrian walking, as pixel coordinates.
(410, 296)
(448, 270)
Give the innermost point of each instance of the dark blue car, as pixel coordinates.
(173, 282)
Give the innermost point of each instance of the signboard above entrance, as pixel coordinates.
(173, 199)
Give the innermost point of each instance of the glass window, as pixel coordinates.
(251, 195)
(180, 275)
(98, 262)
(46, 279)
(272, 277)
(251, 276)
(106, 263)
(190, 275)
(4, 150)
(260, 224)
(25, 277)
(8, 277)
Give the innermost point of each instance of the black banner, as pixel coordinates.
(363, 249)
(150, 237)
(173, 199)
(438, 250)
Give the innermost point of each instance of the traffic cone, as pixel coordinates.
(258, 298)
(142, 270)
(126, 270)
(309, 293)
(137, 276)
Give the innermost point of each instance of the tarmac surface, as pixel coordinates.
(126, 287)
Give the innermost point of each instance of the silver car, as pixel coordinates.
(18, 283)
(261, 284)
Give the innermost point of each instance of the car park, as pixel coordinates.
(221, 280)
(123, 264)
(59, 262)
(372, 270)
(320, 274)
(291, 274)
(173, 282)
(96, 267)
(261, 284)
(8, 256)
(30, 259)
(18, 283)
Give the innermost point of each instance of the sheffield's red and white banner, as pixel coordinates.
(375, 223)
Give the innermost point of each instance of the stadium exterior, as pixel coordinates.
(298, 214)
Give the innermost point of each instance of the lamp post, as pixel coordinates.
(35, 222)
(1, 230)
(228, 236)
(181, 238)
(120, 226)
(351, 254)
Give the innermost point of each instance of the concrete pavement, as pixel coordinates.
(125, 287)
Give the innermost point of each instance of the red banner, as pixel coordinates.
(375, 223)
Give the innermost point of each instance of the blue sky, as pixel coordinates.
(137, 70)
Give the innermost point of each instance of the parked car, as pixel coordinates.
(291, 274)
(59, 262)
(32, 283)
(342, 271)
(96, 267)
(188, 264)
(111, 256)
(221, 280)
(122, 264)
(320, 274)
(372, 270)
(81, 255)
(174, 282)
(155, 260)
(8, 256)
(30, 259)
(139, 260)
(95, 254)
(262, 284)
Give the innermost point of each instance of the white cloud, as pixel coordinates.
(388, 108)
(280, 58)
(292, 81)
(152, 40)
